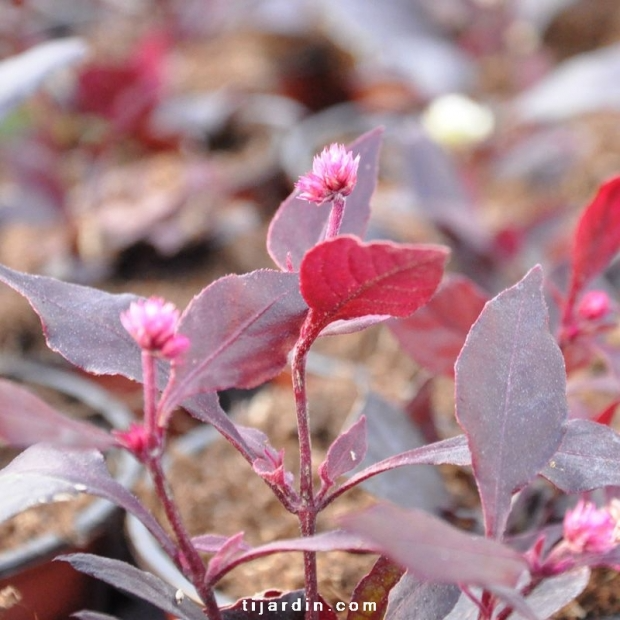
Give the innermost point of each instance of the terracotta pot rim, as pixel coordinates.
(91, 520)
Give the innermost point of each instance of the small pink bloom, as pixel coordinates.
(594, 305)
(133, 439)
(153, 323)
(588, 529)
(334, 174)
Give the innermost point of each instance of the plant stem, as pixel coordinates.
(335, 217)
(307, 510)
(188, 560)
(150, 396)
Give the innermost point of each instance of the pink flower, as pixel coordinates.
(334, 174)
(153, 323)
(588, 529)
(133, 439)
(594, 305)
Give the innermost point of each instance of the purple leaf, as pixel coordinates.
(375, 588)
(435, 551)
(453, 451)
(207, 408)
(390, 433)
(345, 453)
(25, 420)
(299, 226)
(81, 323)
(43, 474)
(336, 540)
(434, 335)
(137, 582)
(510, 384)
(412, 598)
(338, 328)
(92, 615)
(588, 458)
(556, 592)
(585, 83)
(241, 329)
(21, 75)
(435, 181)
(343, 278)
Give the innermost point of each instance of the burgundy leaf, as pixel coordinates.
(93, 615)
(435, 334)
(137, 582)
(588, 458)
(453, 451)
(435, 551)
(596, 240)
(81, 323)
(343, 278)
(336, 540)
(412, 598)
(440, 191)
(510, 384)
(375, 588)
(299, 226)
(556, 592)
(25, 420)
(338, 328)
(345, 453)
(207, 408)
(228, 552)
(420, 409)
(241, 329)
(43, 474)
(390, 433)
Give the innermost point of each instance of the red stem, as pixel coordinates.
(308, 509)
(335, 217)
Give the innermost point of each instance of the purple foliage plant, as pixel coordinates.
(510, 372)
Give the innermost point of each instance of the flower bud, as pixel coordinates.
(153, 323)
(594, 305)
(334, 174)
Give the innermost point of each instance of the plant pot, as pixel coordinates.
(33, 585)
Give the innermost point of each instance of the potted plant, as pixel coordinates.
(511, 404)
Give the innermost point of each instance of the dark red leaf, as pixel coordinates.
(435, 334)
(44, 474)
(588, 458)
(412, 598)
(137, 582)
(346, 453)
(453, 451)
(375, 588)
(25, 419)
(510, 384)
(344, 278)
(241, 329)
(81, 323)
(298, 225)
(390, 433)
(435, 551)
(596, 240)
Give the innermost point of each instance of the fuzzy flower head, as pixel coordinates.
(152, 323)
(594, 305)
(588, 529)
(334, 174)
(133, 439)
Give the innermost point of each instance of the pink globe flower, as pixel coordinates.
(134, 439)
(594, 305)
(153, 323)
(334, 175)
(588, 529)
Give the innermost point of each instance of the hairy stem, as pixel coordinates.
(150, 396)
(307, 511)
(335, 217)
(188, 559)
